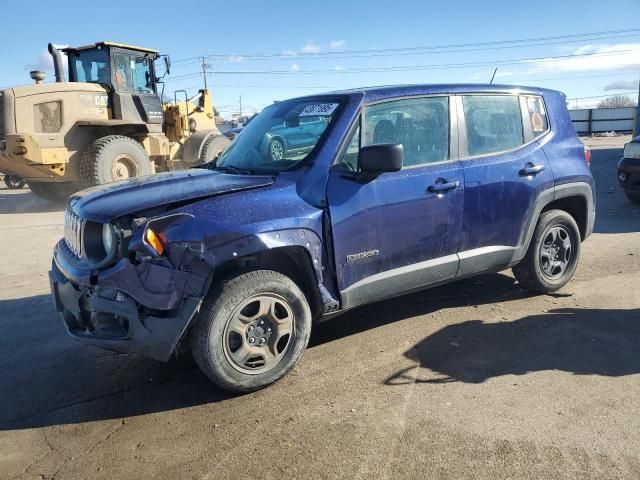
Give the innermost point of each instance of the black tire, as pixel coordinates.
(212, 147)
(54, 192)
(223, 304)
(113, 158)
(279, 144)
(633, 197)
(533, 271)
(14, 182)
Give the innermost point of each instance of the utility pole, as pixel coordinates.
(636, 127)
(240, 106)
(205, 67)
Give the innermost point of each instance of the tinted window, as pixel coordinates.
(421, 125)
(494, 123)
(536, 115)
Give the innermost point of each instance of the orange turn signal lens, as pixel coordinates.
(154, 241)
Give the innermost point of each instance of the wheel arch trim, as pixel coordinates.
(576, 189)
(248, 249)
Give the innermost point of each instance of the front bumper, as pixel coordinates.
(106, 314)
(630, 167)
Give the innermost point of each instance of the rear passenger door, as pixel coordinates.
(399, 230)
(505, 169)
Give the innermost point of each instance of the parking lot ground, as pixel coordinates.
(476, 379)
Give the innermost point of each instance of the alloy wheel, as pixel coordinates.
(277, 150)
(555, 252)
(259, 334)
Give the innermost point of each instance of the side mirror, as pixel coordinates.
(167, 63)
(386, 157)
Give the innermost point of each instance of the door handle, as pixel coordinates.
(443, 187)
(531, 169)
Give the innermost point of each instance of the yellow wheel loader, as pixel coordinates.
(107, 123)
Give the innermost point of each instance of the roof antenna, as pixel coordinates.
(493, 76)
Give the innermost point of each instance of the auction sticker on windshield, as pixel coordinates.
(315, 109)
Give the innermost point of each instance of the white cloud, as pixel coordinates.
(311, 47)
(236, 59)
(44, 61)
(295, 67)
(622, 85)
(289, 53)
(601, 57)
(335, 44)
(504, 73)
(338, 68)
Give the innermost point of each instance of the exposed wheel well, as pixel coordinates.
(279, 138)
(293, 261)
(576, 206)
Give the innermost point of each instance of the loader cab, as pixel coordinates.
(128, 74)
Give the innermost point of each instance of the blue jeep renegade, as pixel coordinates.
(403, 188)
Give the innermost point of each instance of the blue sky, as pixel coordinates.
(326, 45)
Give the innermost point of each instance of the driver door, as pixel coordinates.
(400, 230)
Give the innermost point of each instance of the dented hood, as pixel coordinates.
(107, 202)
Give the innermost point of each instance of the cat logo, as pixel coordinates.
(102, 100)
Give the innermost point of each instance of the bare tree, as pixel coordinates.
(616, 101)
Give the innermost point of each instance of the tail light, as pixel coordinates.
(587, 155)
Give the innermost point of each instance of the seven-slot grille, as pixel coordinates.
(73, 230)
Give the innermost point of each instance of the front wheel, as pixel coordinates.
(552, 257)
(251, 331)
(633, 197)
(276, 150)
(14, 182)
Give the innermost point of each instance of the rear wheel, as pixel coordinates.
(14, 182)
(553, 254)
(633, 197)
(54, 192)
(212, 147)
(113, 158)
(251, 331)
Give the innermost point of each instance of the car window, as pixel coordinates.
(349, 158)
(421, 125)
(536, 115)
(494, 123)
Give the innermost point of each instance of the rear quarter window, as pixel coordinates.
(534, 115)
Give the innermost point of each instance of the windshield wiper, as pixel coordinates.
(235, 170)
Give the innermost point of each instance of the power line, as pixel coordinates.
(343, 57)
(403, 68)
(308, 87)
(475, 45)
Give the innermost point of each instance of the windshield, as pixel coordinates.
(280, 137)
